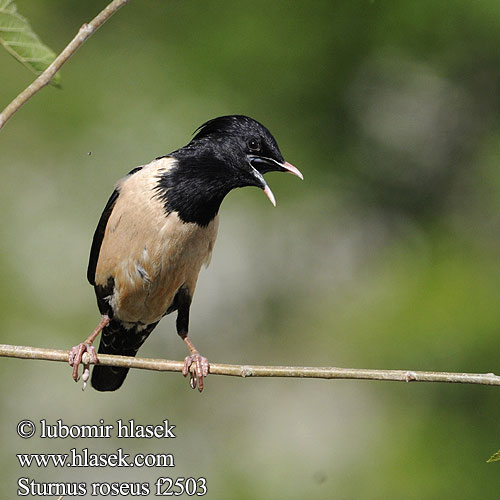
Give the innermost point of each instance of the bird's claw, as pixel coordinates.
(75, 360)
(201, 369)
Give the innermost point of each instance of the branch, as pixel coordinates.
(23, 352)
(44, 79)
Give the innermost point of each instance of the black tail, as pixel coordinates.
(118, 340)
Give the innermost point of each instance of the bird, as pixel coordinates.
(157, 230)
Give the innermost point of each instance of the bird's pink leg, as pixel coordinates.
(201, 366)
(76, 352)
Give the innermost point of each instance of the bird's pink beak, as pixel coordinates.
(293, 170)
(270, 195)
(262, 165)
(286, 167)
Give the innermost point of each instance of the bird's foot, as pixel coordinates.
(76, 359)
(201, 368)
(77, 352)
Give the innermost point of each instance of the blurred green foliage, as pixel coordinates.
(385, 256)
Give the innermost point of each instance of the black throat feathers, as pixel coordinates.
(195, 186)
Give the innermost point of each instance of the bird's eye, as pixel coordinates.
(253, 145)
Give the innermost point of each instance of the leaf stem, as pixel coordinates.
(45, 78)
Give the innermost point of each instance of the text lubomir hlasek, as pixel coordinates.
(122, 429)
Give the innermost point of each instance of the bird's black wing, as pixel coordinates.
(99, 235)
(99, 232)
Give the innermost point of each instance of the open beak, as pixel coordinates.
(263, 165)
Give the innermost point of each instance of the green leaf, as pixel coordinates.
(494, 458)
(21, 42)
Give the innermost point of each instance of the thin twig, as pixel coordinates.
(260, 371)
(44, 79)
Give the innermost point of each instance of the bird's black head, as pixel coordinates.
(226, 152)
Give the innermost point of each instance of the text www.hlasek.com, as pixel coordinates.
(85, 459)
